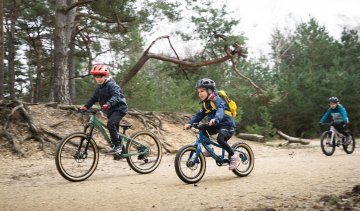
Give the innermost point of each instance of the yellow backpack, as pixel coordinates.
(231, 104)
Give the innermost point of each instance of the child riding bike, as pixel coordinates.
(219, 121)
(111, 100)
(339, 116)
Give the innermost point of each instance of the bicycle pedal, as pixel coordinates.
(118, 157)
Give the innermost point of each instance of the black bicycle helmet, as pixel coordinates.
(205, 83)
(333, 100)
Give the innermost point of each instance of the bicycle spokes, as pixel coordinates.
(76, 158)
(143, 152)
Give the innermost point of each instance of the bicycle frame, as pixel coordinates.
(206, 142)
(335, 135)
(96, 123)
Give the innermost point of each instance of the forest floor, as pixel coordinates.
(294, 177)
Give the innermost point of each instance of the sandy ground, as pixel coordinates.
(283, 178)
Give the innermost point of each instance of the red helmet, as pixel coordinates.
(99, 69)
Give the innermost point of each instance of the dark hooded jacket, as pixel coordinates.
(109, 93)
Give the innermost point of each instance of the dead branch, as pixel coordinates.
(33, 129)
(13, 140)
(7, 123)
(293, 139)
(186, 64)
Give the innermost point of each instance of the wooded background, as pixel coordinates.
(47, 45)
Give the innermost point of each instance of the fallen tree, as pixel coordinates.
(252, 137)
(290, 140)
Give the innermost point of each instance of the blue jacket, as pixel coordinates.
(217, 114)
(111, 94)
(338, 115)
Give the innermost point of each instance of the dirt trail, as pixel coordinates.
(282, 179)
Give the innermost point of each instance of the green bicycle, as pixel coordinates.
(77, 154)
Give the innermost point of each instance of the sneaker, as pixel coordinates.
(234, 162)
(117, 153)
(117, 150)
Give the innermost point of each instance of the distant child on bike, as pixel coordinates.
(111, 100)
(219, 122)
(339, 116)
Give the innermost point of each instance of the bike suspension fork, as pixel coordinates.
(88, 137)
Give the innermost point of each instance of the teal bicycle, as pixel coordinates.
(77, 155)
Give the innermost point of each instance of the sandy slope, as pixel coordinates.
(282, 178)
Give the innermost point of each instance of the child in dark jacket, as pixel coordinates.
(111, 100)
(219, 122)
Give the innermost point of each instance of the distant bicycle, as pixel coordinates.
(190, 163)
(77, 154)
(331, 139)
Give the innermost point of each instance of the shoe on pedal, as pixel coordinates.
(234, 162)
(117, 153)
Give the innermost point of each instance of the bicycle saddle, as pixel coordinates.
(125, 126)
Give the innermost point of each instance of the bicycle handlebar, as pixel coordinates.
(201, 126)
(91, 110)
(333, 123)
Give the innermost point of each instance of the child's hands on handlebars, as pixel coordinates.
(212, 122)
(187, 126)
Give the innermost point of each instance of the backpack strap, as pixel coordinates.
(209, 107)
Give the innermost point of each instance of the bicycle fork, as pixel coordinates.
(83, 155)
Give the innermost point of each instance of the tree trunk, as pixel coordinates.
(11, 46)
(1, 51)
(64, 26)
(71, 67)
(39, 68)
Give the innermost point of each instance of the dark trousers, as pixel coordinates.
(225, 133)
(341, 128)
(113, 126)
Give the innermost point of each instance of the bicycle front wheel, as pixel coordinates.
(76, 159)
(144, 152)
(187, 169)
(247, 159)
(327, 145)
(350, 147)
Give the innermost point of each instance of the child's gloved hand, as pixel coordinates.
(187, 126)
(105, 107)
(212, 122)
(83, 108)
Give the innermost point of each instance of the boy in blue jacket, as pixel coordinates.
(111, 100)
(219, 122)
(339, 116)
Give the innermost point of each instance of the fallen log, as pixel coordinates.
(251, 137)
(291, 140)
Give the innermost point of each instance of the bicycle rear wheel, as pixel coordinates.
(144, 152)
(186, 169)
(73, 161)
(350, 147)
(247, 159)
(327, 145)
